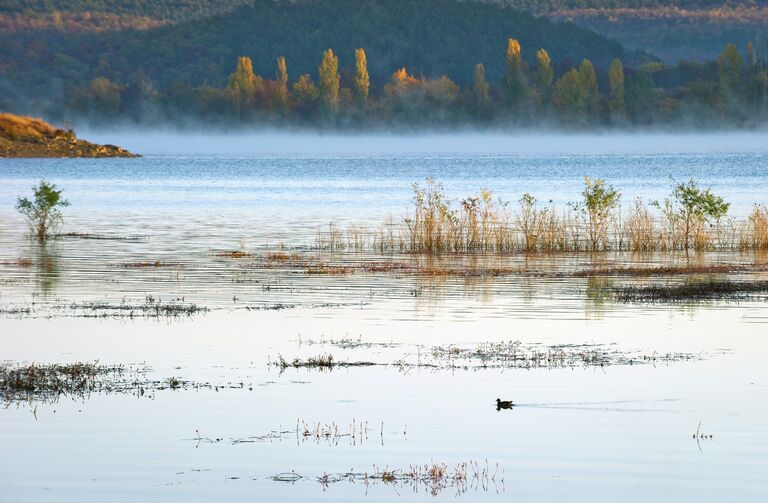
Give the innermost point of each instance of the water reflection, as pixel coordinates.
(46, 258)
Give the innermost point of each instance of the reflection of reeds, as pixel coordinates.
(481, 223)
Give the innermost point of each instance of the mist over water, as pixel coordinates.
(304, 143)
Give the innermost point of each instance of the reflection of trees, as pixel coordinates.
(46, 259)
(599, 291)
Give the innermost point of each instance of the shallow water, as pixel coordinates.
(581, 433)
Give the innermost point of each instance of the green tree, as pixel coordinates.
(640, 96)
(597, 206)
(305, 96)
(516, 86)
(362, 82)
(101, 96)
(731, 72)
(42, 213)
(569, 97)
(544, 76)
(616, 83)
(328, 75)
(692, 206)
(480, 90)
(591, 92)
(281, 85)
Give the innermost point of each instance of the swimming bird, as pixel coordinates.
(504, 404)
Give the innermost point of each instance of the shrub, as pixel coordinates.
(42, 213)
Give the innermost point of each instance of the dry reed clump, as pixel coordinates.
(434, 477)
(692, 219)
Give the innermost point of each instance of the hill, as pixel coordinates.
(672, 30)
(428, 37)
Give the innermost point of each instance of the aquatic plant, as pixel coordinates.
(686, 213)
(692, 218)
(596, 208)
(43, 211)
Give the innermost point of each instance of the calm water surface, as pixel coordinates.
(582, 434)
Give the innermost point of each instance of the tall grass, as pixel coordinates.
(481, 223)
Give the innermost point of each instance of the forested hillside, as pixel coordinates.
(430, 38)
(670, 29)
(362, 63)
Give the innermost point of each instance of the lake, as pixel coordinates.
(609, 396)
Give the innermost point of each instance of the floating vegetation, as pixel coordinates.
(692, 291)
(432, 477)
(233, 254)
(494, 355)
(325, 362)
(22, 262)
(348, 343)
(328, 269)
(672, 270)
(355, 433)
(146, 265)
(98, 237)
(48, 382)
(151, 308)
(23, 382)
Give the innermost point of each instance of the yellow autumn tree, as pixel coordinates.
(362, 82)
(328, 75)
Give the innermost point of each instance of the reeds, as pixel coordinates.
(481, 223)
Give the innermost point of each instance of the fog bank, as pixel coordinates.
(273, 143)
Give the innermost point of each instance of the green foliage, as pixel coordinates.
(480, 96)
(569, 97)
(544, 76)
(692, 206)
(42, 212)
(281, 85)
(616, 82)
(517, 87)
(731, 66)
(590, 90)
(598, 203)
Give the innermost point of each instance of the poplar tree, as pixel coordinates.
(361, 82)
(243, 85)
(517, 90)
(281, 88)
(480, 89)
(328, 75)
(544, 75)
(616, 82)
(591, 92)
(731, 73)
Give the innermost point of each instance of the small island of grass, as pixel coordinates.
(29, 137)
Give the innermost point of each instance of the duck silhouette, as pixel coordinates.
(504, 404)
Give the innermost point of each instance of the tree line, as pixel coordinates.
(730, 91)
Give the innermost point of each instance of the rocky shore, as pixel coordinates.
(28, 137)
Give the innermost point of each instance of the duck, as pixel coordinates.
(504, 404)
